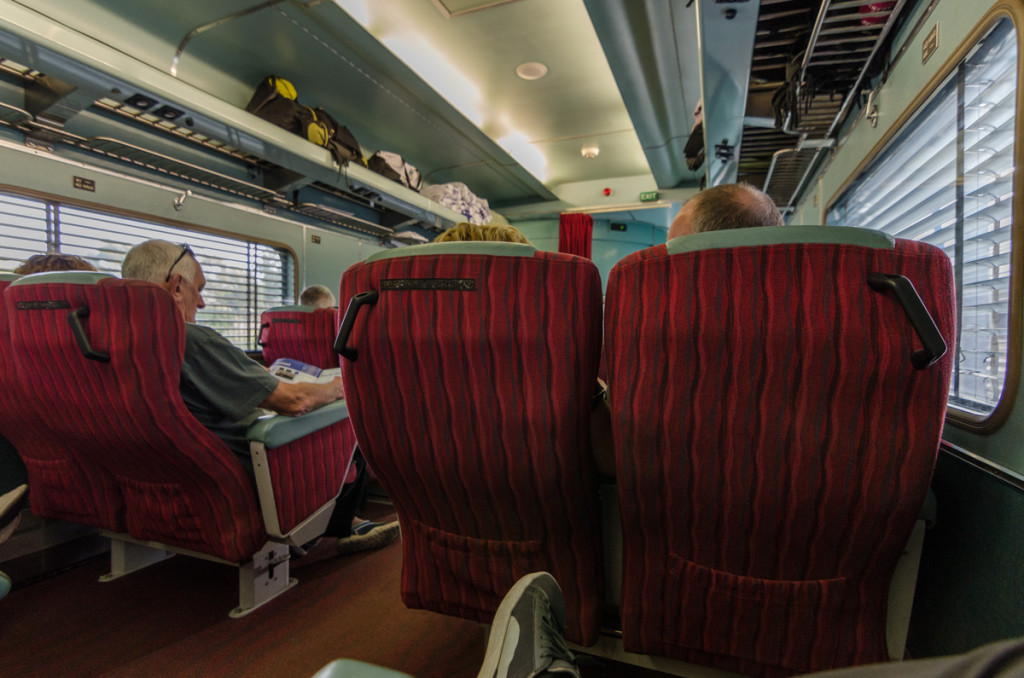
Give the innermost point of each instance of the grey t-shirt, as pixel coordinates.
(223, 387)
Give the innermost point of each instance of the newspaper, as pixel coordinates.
(287, 369)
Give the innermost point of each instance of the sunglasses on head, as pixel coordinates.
(185, 249)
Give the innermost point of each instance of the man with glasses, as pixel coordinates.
(226, 390)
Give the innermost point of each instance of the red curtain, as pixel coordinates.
(575, 233)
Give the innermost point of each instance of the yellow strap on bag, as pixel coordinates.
(284, 88)
(317, 131)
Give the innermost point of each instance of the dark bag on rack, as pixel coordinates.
(694, 150)
(276, 101)
(381, 167)
(394, 167)
(323, 130)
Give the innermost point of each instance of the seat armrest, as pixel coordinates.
(276, 430)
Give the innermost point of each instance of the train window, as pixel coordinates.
(242, 278)
(24, 230)
(947, 178)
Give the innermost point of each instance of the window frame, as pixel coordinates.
(992, 421)
(60, 200)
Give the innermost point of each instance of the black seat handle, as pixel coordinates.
(263, 328)
(934, 346)
(75, 322)
(349, 321)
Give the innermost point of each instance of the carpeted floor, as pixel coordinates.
(171, 619)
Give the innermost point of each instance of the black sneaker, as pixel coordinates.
(528, 634)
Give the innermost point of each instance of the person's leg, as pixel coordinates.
(349, 501)
(12, 469)
(10, 510)
(527, 638)
(528, 633)
(354, 533)
(10, 515)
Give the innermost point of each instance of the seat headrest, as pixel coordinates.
(8, 277)
(495, 249)
(295, 308)
(781, 235)
(73, 277)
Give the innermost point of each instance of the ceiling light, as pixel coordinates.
(435, 69)
(589, 152)
(532, 70)
(526, 154)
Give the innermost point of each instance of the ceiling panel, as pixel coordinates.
(652, 48)
(333, 62)
(455, 7)
(622, 76)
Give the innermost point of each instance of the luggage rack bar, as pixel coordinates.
(342, 218)
(176, 168)
(13, 116)
(149, 120)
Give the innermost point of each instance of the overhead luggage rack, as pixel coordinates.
(342, 218)
(13, 116)
(176, 168)
(150, 120)
(787, 174)
(759, 145)
(179, 112)
(845, 40)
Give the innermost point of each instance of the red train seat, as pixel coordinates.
(93, 365)
(470, 369)
(299, 332)
(64, 486)
(774, 439)
(305, 333)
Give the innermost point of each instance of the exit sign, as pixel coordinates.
(649, 196)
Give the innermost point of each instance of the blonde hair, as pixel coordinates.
(39, 263)
(499, 233)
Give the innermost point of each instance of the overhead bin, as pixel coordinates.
(164, 120)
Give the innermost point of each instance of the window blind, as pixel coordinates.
(946, 179)
(23, 230)
(242, 278)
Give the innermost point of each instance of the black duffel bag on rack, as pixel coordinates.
(275, 100)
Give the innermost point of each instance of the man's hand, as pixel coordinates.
(295, 398)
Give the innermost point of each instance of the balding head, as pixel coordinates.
(723, 207)
(318, 296)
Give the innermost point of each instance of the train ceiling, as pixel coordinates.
(436, 80)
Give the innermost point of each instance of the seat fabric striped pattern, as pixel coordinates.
(63, 487)
(472, 409)
(773, 447)
(180, 484)
(309, 472)
(306, 335)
